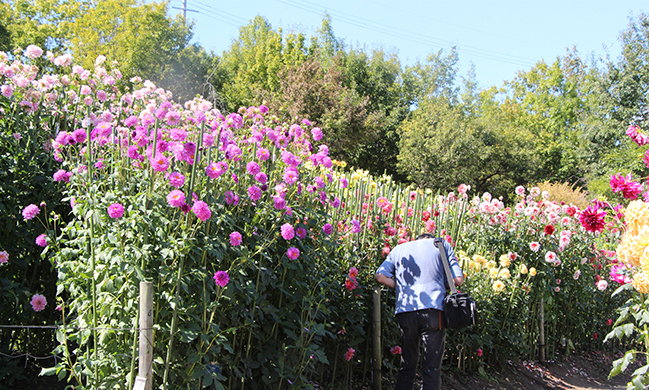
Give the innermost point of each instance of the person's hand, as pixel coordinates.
(458, 281)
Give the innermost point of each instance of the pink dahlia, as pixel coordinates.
(115, 210)
(235, 238)
(231, 198)
(176, 198)
(287, 231)
(261, 178)
(160, 162)
(252, 168)
(33, 51)
(291, 176)
(30, 212)
(38, 302)
(637, 135)
(327, 229)
(293, 253)
(316, 133)
(263, 154)
(301, 233)
(349, 354)
(350, 284)
(625, 184)
(619, 274)
(353, 273)
(279, 203)
(221, 278)
(202, 210)
(41, 240)
(396, 350)
(535, 246)
(4, 257)
(254, 193)
(356, 226)
(592, 219)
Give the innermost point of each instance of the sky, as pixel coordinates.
(498, 37)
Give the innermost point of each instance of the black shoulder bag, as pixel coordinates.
(459, 308)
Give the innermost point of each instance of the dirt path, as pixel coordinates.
(586, 371)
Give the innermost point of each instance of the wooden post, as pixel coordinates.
(376, 362)
(144, 380)
(542, 333)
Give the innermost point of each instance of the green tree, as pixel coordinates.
(254, 62)
(379, 78)
(627, 81)
(45, 23)
(137, 35)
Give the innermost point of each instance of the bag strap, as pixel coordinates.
(438, 242)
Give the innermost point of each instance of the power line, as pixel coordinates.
(218, 11)
(408, 35)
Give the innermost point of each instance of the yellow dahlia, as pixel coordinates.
(523, 269)
(505, 261)
(641, 282)
(532, 271)
(636, 215)
(504, 273)
(624, 253)
(498, 286)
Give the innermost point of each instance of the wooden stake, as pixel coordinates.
(144, 380)
(376, 362)
(542, 333)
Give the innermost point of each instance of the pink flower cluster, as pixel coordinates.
(637, 135)
(221, 278)
(625, 184)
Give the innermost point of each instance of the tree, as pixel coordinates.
(627, 81)
(379, 78)
(45, 23)
(137, 35)
(553, 103)
(255, 60)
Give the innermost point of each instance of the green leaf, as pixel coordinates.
(641, 371)
(628, 329)
(638, 382)
(623, 287)
(48, 371)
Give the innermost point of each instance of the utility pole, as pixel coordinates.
(185, 9)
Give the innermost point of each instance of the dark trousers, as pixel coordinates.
(424, 325)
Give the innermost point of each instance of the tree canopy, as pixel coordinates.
(562, 121)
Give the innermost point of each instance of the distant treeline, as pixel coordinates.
(558, 122)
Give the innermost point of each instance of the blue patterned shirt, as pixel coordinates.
(419, 273)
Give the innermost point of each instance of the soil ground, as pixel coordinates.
(577, 372)
(582, 371)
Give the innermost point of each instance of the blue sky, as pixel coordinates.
(499, 37)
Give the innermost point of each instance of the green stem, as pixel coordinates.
(174, 322)
(92, 249)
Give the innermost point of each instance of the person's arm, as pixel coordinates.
(455, 266)
(390, 282)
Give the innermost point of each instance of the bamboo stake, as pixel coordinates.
(542, 333)
(145, 367)
(376, 362)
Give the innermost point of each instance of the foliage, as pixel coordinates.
(139, 36)
(565, 193)
(633, 315)
(24, 179)
(534, 255)
(627, 81)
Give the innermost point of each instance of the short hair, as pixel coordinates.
(424, 235)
